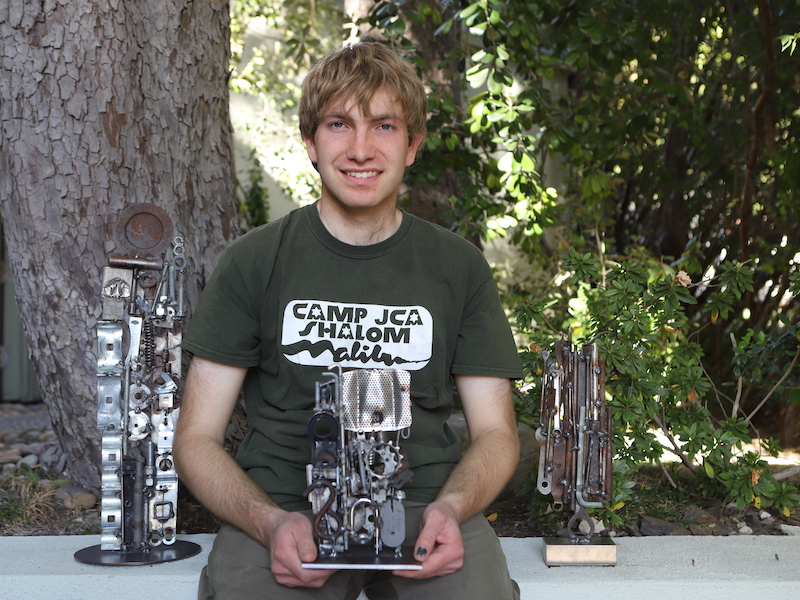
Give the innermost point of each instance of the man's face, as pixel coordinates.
(361, 160)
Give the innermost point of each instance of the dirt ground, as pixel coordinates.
(29, 508)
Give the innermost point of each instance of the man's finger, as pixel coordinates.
(426, 542)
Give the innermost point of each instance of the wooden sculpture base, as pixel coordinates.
(595, 552)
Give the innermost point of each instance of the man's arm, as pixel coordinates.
(480, 475)
(212, 390)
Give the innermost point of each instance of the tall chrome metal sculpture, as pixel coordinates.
(575, 460)
(357, 470)
(139, 379)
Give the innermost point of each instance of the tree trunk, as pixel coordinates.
(105, 103)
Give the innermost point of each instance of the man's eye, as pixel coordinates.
(386, 126)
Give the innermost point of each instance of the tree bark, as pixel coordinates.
(105, 103)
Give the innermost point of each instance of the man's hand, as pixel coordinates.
(292, 543)
(212, 390)
(439, 546)
(480, 475)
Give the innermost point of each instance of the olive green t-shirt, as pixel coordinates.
(289, 301)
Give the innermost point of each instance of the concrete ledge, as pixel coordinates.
(40, 568)
(660, 568)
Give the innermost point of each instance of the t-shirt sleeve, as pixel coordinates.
(225, 325)
(485, 343)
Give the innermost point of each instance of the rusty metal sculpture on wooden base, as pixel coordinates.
(575, 463)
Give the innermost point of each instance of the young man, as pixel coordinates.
(350, 280)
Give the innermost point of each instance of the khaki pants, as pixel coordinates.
(238, 569)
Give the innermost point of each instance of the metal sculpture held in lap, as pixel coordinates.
(575, 461)
(138, 392)
(357, 470)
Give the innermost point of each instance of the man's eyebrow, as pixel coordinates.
(335, 115)
(388, 117)
(343, 116)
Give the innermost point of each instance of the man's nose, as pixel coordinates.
(362, 147)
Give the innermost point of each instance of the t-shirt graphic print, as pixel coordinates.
(368, 336)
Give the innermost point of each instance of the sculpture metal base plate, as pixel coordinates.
(93, 555)
(363, 558)
(596, 552)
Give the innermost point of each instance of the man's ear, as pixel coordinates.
(413, 149)
(311, 149)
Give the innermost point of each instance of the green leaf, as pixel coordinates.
(477, 76)
(444, 28)
(470, 11)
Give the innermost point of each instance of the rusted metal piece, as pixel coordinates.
(135, 262)
(143, 230)
(575, 463)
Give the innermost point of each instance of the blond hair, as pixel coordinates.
(357, 72)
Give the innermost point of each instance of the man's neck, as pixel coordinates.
(360, 228)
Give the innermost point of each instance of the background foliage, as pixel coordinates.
(273, 42)
(639, 156)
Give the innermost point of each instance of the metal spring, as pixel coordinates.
(148, 344)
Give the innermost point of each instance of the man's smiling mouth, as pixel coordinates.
(362, 174)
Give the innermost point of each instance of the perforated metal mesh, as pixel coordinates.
(376, 400)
